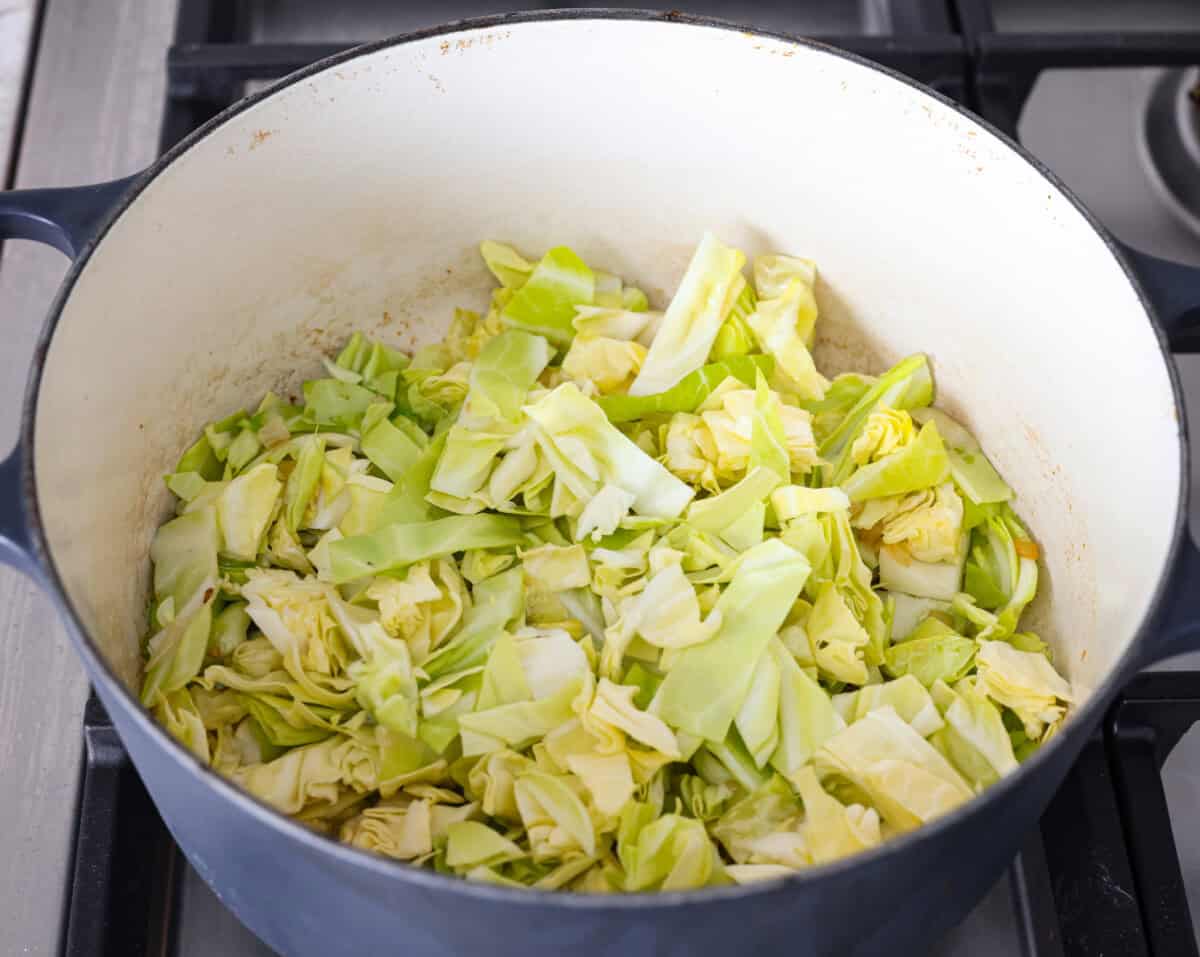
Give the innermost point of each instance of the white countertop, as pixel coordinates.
(93, 114)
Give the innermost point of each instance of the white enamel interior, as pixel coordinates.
(354, 199)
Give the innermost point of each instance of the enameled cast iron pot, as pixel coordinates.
(352, 196)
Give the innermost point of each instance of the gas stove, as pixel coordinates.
(1108, 95)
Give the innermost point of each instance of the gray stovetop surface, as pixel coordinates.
(93, 114)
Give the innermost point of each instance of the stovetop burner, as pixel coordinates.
(1102, 875)
(1170, 143)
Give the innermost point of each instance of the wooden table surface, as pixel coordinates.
(94, 107)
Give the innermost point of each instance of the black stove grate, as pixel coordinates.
(1103, 873)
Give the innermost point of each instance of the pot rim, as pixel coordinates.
(389, 869)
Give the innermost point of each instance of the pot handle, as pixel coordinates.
(63, 218)
(16, 544)
(67, 219)
(1173, 290)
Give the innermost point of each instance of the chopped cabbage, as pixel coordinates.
(597, 598)
(692, 320)
(587, 452)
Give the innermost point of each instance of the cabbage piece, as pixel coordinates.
(720, 511)
(757, 720)
(793, 500)
(974, 739)
(828, 541)
(718, 446)
(497, 602)
(609, 365)
(904, 776)
(509, 267)
(491, 780)
(909, 611)
(667, 612)
(556, 567)
(424, 606)
(432, 395)
(1002, 572)
(387, 687)
(518, 724)
(613, 705)
(186, 485)
(843, 393)
(556, 820)
(603, 513)
(906, 696)
(403, 831)
(918, 465)
(184, 553)
(668, 852)
(587, 452)
(885, 431)
(333, 404)
(708, 682)
(545, 303)
(782, 323)
(744, 414)
(687, 394)
(692, 320)
(616, 323)
(286, 723)
(314, 773)
(298, 616)
(244, 511)
(395, 546)
(353, 353)
(927, 525)
(549, 660)
(507, 366)
(837, 638)
(608, 778)
(407, 501)
(480, 564)
(201, 460)
(690, 453)
(364, 497)
(773, 274)
(768, 435)
(765, 827)
(729, 760)
(228, 629)
(380, 367)
(807, 718)
(941, 658)
(831, 828)
(472, 844)
(900, 572)
(178, 713)
(390, 449)
(907, 385)
(748, 530)
(734, 338)
(1025, 682)
(974, 475)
